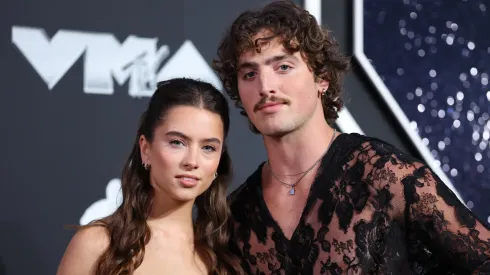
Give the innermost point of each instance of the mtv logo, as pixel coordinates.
(137, 59)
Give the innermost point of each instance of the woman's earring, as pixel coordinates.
(146, 166)
(324, 91)
(215, 175)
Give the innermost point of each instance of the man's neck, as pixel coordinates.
(299, 150)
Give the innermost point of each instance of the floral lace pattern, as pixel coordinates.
(375, 210)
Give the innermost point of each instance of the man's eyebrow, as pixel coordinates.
(268, 61)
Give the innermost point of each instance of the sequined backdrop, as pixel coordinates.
(434, 57)
(65, 141)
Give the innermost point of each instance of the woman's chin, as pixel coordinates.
(186, 194)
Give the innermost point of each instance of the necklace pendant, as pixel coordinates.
(291, 192)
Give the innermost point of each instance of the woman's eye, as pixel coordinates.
(176, 143)
(209, 148)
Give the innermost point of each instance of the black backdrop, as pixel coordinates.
(69, 112)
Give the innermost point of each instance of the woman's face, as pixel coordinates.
(185, 152)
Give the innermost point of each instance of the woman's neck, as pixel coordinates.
(171, 215)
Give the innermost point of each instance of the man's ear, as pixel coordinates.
(322, 85)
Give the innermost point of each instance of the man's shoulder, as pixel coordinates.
(354, 143)
(239, 192)
(357, 141)
(246, 190)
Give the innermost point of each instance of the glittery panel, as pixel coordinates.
(434, 57)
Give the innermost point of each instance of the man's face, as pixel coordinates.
(277, 89)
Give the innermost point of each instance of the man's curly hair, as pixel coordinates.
(298, 31)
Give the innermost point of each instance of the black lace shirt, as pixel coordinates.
(371, 210)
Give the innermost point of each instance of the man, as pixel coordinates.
(324, 202)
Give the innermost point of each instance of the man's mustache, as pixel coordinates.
(272, 99)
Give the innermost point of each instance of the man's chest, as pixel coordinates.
(312, 247)
(318, 248)
(285, 210)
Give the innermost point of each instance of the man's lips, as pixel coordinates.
(269, 105)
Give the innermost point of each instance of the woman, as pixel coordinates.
(179, 160)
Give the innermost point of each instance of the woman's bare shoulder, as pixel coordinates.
(83, 251)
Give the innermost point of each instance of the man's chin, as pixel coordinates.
(275, 131)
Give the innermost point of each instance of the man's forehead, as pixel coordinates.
(265, 48)
(264, 33)
(264, 43)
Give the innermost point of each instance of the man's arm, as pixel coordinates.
(436, 219)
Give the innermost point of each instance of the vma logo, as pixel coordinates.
(106, 59)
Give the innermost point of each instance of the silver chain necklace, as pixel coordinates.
(293, 185)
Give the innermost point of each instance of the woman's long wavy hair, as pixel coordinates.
(299, 31)
(127, 226)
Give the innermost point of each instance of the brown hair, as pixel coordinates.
(299, 31)
(127, 227)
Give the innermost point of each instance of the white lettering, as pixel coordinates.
(106, 60)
